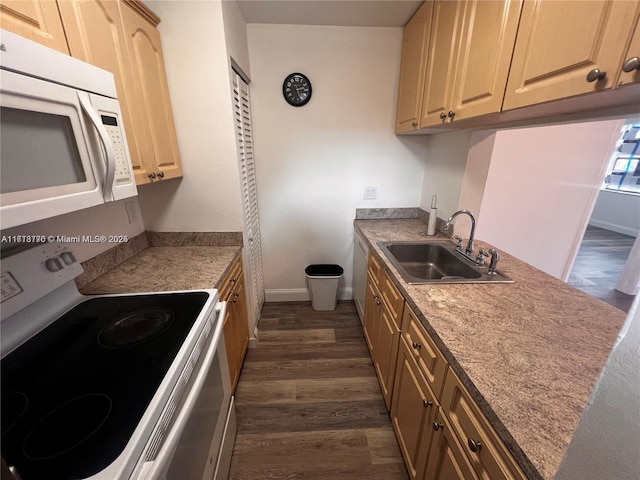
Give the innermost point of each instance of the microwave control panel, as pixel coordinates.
(123, 173)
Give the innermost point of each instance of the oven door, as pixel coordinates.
(60, 152)
(202, 427)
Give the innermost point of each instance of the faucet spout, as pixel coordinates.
(469, 249)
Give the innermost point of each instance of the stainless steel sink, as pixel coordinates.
(436, 262)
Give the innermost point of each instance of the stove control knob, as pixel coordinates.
(67, 258)
(54, 264)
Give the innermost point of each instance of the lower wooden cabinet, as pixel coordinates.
(382, 333)
(382, 316)
(236, 324)
(447, 460)
(480, 443)
(441, 431)
(413, 411)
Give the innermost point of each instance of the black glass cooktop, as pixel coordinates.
(73, 394)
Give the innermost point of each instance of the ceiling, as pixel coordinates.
(351, 13)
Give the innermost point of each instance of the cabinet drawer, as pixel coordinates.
(428, 356)
(483, 447)
(230, 280)
(392, 298)
(375, 268)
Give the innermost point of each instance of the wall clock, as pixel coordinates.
(296, 89)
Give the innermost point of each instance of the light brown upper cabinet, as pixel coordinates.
(152, 109)
(630, 71)
(95, 35)
(568, 48)
(119, 36)
(37, 20)
(415, 44)
(469, 54)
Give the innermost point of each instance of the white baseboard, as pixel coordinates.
(614, 227)
(300, 294)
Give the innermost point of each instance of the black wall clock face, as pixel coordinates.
(296, 89)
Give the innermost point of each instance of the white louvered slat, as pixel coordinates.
(242, 112)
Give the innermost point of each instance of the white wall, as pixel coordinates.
(235, 31)
(618, 212)
(208, 198)
(444, 170)
(313, 162)
(605, 444)
(110, 219)
(541, 185)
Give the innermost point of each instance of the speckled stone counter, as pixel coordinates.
(159, 269)
(530, 352)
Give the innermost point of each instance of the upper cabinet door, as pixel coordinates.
(561, 45)
(37, 20)
(631, 61)
(486, 46)
(152, 104)
(95, 35)
(415, 44)
(443, 45)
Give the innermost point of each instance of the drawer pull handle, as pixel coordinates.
(474, 446)
(416, 346)
(427, 403)
(437, 426)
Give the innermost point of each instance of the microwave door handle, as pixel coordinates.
(107, 144)
(165, 454)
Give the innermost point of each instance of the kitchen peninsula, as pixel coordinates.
(529, 353)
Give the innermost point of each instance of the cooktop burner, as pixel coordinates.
(74, 393)
(136, 327)
(70, 424)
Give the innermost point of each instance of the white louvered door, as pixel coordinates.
(253, 248)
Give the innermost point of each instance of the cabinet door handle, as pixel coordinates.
(632, 64)
(416, 346)
(414, 124)
(451, 114)
(152, 175)
(443, 116)
(427, 403)
(437, 426)
(473, 445)
(596, 74)
(161, 174)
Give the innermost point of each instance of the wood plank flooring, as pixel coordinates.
(598, 265)
(308, 403)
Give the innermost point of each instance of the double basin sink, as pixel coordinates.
(436, 262)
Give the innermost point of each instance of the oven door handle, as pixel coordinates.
(107, 144)
(156, 469)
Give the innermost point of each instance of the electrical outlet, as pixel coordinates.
(370, 193)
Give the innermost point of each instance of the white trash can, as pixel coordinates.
(323, 285)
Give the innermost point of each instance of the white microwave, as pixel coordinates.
(62, 141)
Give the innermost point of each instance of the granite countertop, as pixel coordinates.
(530, 353)
(165, 268)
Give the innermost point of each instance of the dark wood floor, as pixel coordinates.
(308, 402)
(597, 268)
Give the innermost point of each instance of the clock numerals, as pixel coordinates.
(296, 89)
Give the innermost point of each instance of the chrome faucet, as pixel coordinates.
(469, 249)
